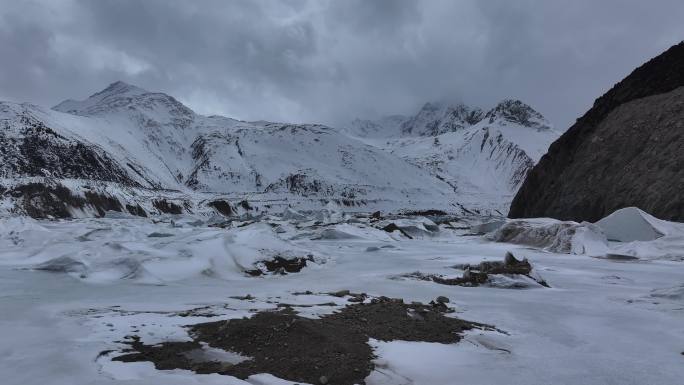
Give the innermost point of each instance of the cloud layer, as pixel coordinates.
(330, 61)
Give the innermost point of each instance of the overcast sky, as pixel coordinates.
(330, 61)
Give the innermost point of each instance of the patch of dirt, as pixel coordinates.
(333, 349)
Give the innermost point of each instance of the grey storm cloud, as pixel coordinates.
(330, 61)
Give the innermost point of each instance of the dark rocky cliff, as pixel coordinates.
(627, 150)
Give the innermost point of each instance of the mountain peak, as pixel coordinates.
(121, 95)
(120, 87)
(515, 111)
(436, 118)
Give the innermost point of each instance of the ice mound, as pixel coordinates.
(145, 251)
(15, 231)
(62, 264)
(672, 293)
(336, 234)
(411, 227)
(331, 213)
(486, 227)
(553, 235)
(254, 246)
(643, 236)
(290, 214)
(348, 231)
(512, 282)
(632, 224)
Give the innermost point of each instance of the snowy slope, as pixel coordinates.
(483, 156)
(305, 160)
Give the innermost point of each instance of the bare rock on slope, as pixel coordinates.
(627, 150)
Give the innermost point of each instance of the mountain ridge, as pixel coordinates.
(125, 143)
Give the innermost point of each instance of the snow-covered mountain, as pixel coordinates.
(483, 156)
(129, 147)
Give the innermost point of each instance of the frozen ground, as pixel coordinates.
(602, 321)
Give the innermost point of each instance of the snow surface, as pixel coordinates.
(602, 321)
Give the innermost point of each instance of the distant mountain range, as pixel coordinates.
(128, 149)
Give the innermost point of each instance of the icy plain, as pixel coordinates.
(73, 289)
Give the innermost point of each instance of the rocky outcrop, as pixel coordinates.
(30, 148)
(435, 118)
(627, 150)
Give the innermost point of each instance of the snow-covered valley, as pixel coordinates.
(77, 292)
(360, 192)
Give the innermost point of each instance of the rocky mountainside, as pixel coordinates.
(484, 157)
(436, 118)
(627, 150)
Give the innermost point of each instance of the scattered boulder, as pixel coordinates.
(280, 265)
(392, 227)
(411, 227)
(341, 293)
(487, 273)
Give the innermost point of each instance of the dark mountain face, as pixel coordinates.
(627, 150)
(32, 149)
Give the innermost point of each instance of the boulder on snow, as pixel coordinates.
(411, 227)
(631, 224)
